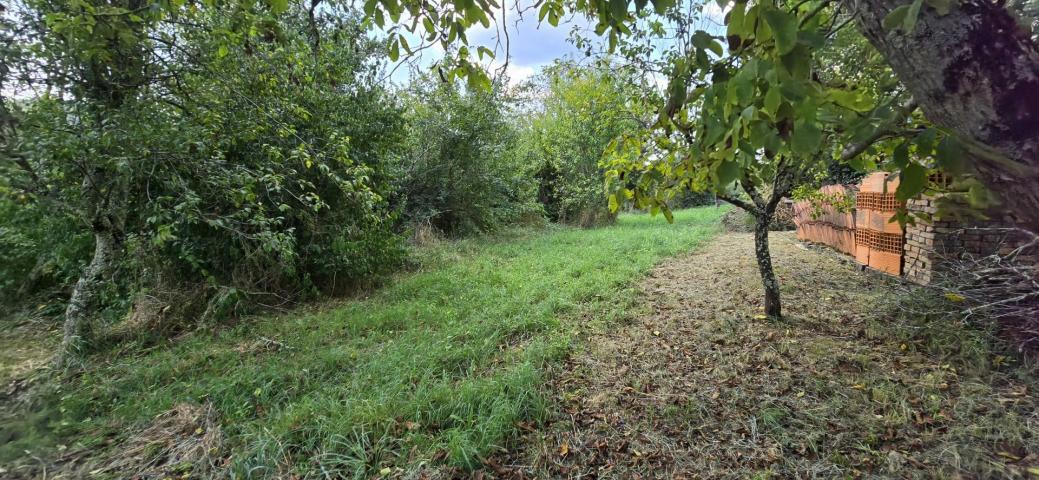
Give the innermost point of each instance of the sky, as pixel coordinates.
(531, 45)
(534, 45)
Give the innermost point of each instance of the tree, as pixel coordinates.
(98, 53)
(579, 111)
(974, 70)
(770, 54)
(241, 149)
(458, 173)
(749, 121)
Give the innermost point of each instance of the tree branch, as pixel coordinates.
(739, 203)
(751, 190)
(853, 150)
(781, 185)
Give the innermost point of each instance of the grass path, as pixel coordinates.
(438, 367)
(853, 383)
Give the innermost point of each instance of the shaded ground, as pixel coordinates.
(854, 382)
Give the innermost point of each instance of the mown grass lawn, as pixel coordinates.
(438, 366)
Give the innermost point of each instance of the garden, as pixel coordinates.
(551, 239)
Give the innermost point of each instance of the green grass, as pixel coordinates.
(440, 364)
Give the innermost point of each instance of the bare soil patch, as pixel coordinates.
(850, 384)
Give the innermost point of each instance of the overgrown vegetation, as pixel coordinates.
(242, 160)
(178, 177)
(441, 365)
(247, 173)
(582, 110)
(460, 173)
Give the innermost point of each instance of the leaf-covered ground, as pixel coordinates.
(854, 382)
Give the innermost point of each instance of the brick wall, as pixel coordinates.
(930, 247)
(922, 251)
(824, 223)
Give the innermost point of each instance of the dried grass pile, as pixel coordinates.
(184, 442)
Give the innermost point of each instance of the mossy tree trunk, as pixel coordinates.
(974, 71)
(764, 210)
(773, 304)
(82, 307)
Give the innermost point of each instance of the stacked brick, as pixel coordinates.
(923, 250)
(878, 239)
(826, 224)
(932, 246)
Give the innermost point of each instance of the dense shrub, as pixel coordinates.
(41, 254)
(259, 173)
(581, 110)
(459, 174)
(299, 149)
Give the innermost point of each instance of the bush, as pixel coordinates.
(42, 253)
(458, 173)
(262, 178)
(580, 111)
(289, 205)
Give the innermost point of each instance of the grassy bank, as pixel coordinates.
(440, 366)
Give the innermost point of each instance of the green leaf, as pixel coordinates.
(742, 87)
(394, 49)
(912, 181)
(850, 99)
(784, 28)
(903, 17)
(895, 18)
(925, 141)
(661, 6)
(716, 47)
(951, 156)
(701, 39)
(279, 6)
(798, 62)
(900, 156)
(619, 9)
(793, 89)
(912, 15)
(772, 100)
(667, 213)
(728, 172)
(734, 25)
(805, 138)
(748, 113)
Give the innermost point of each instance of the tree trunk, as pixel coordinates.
(773, 307)
(974, 71)
(84, 299)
